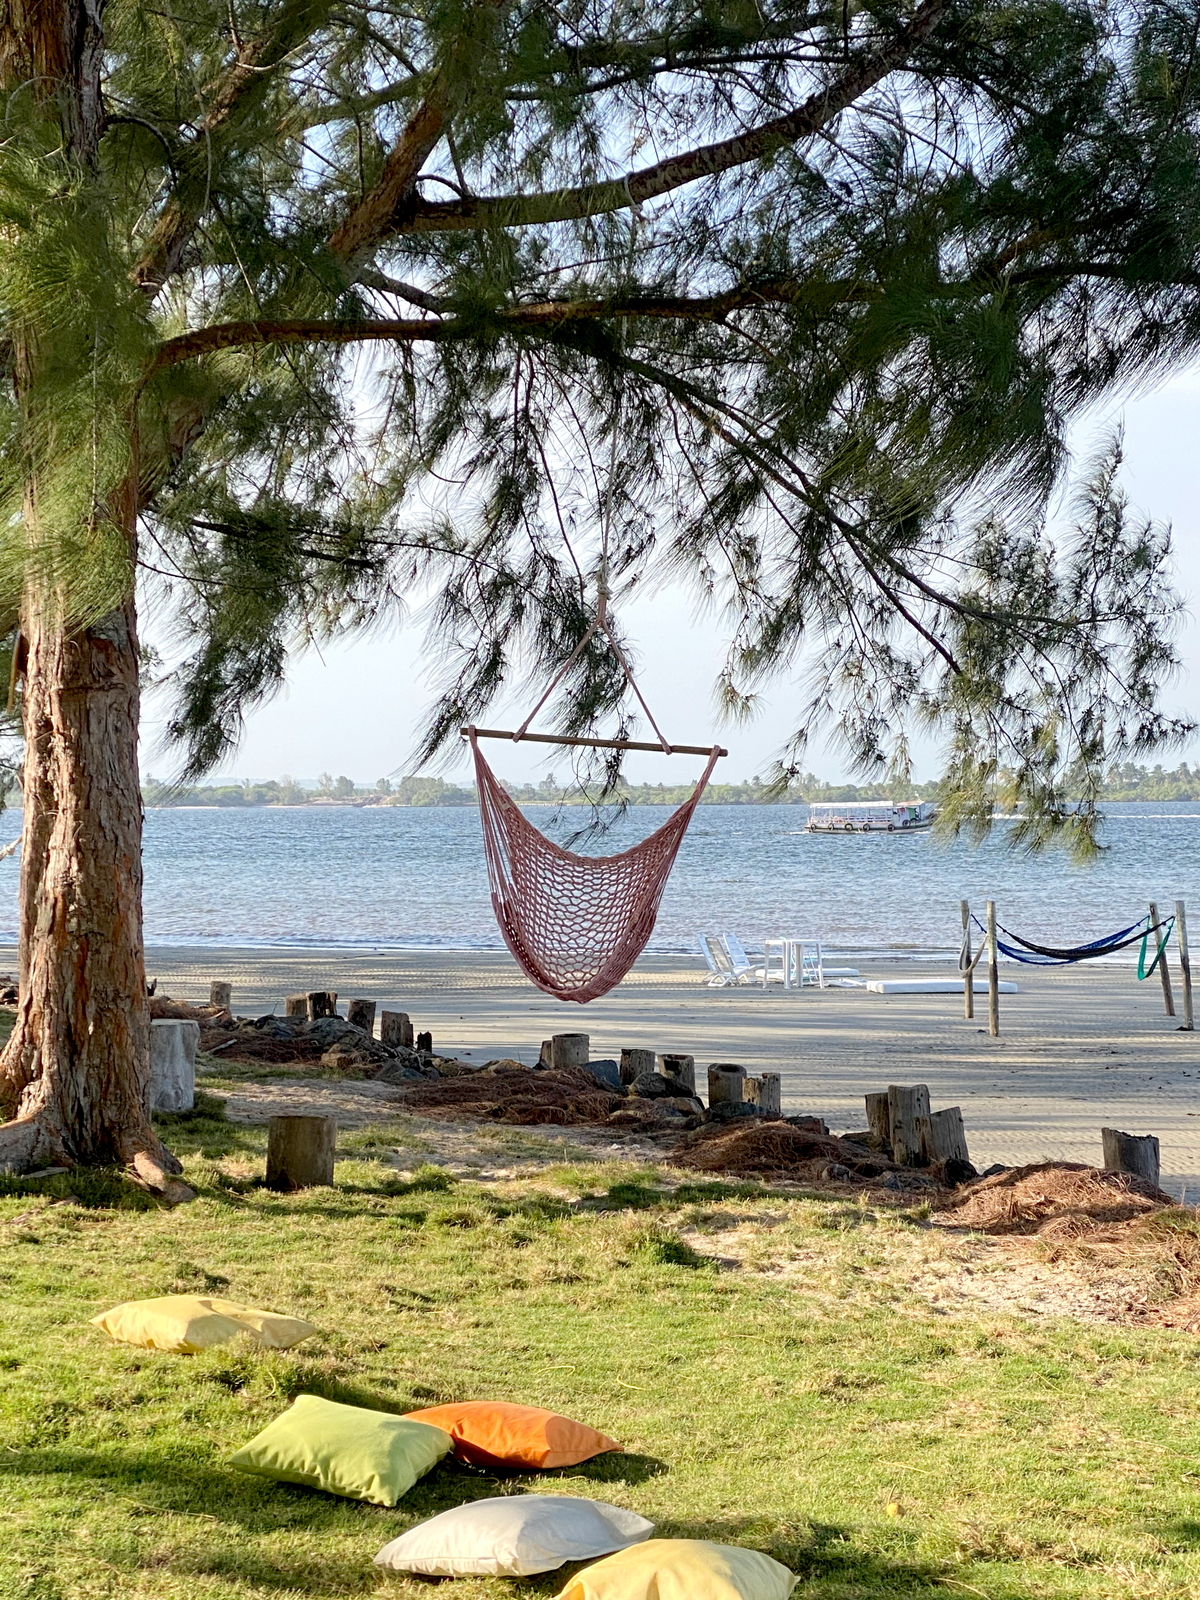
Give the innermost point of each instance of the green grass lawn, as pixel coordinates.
(779, 1411)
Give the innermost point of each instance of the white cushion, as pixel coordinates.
(514, 1536)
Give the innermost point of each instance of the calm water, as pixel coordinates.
(398, 876)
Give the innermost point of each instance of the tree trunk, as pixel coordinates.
(76, 1071)
(75, 1074)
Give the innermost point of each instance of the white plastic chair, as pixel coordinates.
(744, 970)
(719, 964)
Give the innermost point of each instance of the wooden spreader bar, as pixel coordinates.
(595, 744)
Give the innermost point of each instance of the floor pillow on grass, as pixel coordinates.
(365, 1455)
(492, 1433)
(188, 1322)
(513, 1536)
(682, 1569)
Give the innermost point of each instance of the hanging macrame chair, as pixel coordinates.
(576, 924)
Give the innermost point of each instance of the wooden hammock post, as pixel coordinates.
(1164, 971)
(1185, 965)
(969, 970)
(993, 973)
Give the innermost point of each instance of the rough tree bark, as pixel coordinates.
(75, 1074)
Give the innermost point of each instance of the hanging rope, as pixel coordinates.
(1145, 971)
(1040, 955)
(575, 924)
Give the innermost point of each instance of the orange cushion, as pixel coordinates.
(492, 1433)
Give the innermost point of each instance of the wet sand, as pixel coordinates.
(1080, 1048)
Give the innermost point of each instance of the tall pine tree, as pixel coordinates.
(308, 307)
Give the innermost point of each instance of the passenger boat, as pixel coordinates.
(870, 816)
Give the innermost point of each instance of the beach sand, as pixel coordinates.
(1080, 1048)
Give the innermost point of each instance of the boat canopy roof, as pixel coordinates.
(839, 808)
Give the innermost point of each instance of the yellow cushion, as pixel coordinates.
(682, 1569)
(190, 1322)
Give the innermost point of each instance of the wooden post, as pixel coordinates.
(321, 1003)
(1164, 971)
(545, 1054)
(682, 1067)
(969, 980)
(905, 1106)
(395, 1028)
(725, 1084)
(1185, 965)
(570, 1050)
(879, 1118)
(1131, 1152)
(634, 1063)
(220, 994)
(296, 1005)
(993, 973)
(300, 1152)
(942, 1136)
(764, 1093)
(361, 1014)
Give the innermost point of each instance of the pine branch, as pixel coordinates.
(706, 161)
(370, 221)
(226, 100)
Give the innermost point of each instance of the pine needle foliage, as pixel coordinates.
(385, 307)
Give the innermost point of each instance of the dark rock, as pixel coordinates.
(954, 1172)
(606, 1072)
(811, 1125)
(329, 1031)
(728, 1113)
(404, 1065)
(994, 1170)
(653, 1086)
(834, 1172)
(890, 1180)
(688, 1105)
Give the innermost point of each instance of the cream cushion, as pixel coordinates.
(513, 1536)
(682, 1569)
(187, 1322)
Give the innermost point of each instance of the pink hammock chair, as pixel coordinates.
(576, 924)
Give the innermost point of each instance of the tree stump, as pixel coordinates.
(300, 1152)
(879, 1118)
(681, 1067)
(570, 1050)
(1131, 1152)
(361, 1014)
(943, 1137)
(395, 1028)
(424, 1044)
(173, 1064)
(321, 1003)
(905, 1105)
(765, 1093)
(220, 993)
(296, 1005)
(634, 1063)
(725, 1084)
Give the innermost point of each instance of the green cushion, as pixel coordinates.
(367, 1455)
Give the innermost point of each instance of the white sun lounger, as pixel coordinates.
(933, 986)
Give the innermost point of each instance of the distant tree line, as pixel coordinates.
(1127, 782)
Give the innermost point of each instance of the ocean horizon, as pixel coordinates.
(396, 878)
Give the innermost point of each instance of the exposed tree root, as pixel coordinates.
(27, 1145)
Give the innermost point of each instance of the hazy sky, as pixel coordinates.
(355, 711)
